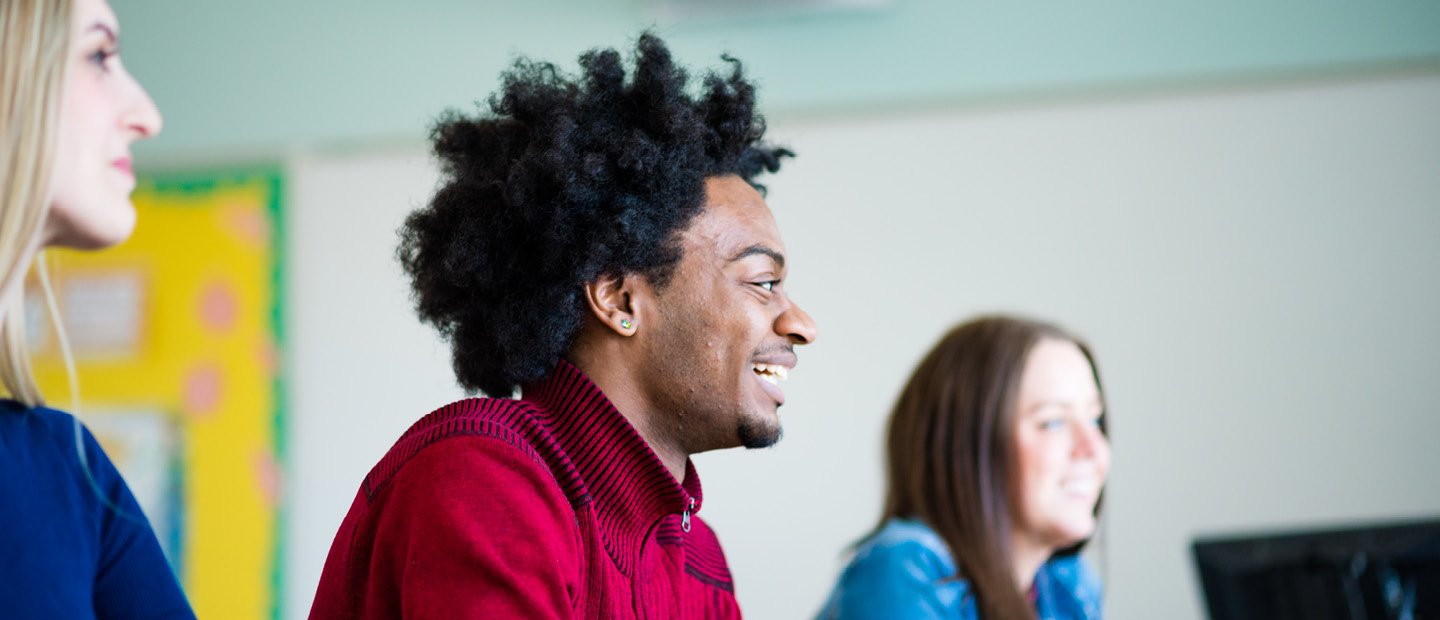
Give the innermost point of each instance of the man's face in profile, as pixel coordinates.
(724, 339)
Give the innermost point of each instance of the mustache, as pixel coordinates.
(778, 354)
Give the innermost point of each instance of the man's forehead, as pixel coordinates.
(735, 219)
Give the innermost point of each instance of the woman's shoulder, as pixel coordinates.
(1073, 586)
(1072, 571)
(52, 446)
(905, 532)
(22, 423)
(904, 570)
(906, 544)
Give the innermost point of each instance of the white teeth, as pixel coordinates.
(774, 373)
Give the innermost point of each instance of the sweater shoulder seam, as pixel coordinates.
(509, 421)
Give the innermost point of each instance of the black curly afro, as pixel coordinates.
(561, 181)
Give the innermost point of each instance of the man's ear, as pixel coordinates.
(614, 300)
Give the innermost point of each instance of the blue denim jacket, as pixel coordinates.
(900, 574)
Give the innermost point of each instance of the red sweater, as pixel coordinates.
(551, 506)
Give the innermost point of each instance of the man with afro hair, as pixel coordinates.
(599, 244)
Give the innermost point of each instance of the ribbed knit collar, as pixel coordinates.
(631, 488)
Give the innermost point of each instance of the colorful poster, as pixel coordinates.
(175, 336)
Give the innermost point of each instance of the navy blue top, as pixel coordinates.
(65, 553)
(905, 572)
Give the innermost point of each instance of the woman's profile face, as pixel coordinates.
(103, 112)
(1063, 458)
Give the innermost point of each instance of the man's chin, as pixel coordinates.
(758, 432)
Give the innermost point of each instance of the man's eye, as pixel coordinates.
(768, 285)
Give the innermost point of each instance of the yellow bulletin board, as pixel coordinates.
(176, 335)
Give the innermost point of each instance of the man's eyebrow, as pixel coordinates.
(760, 249)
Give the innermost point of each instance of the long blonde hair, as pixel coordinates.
(34, 46)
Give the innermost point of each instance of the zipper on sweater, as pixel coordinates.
(685, 517)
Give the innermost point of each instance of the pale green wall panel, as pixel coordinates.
(265, 74)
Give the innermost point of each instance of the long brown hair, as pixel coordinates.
(949, 451)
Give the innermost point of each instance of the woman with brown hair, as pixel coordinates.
(996, 457)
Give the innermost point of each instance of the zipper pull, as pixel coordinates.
(685, 517)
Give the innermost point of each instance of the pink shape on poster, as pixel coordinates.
(202, 390)
(218, 307)
(268, 477)
(247, 224)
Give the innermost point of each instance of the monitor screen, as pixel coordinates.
(1372, 572)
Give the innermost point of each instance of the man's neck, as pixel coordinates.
(615, 382)
(671, 456)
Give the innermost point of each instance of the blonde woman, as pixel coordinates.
(74, 542)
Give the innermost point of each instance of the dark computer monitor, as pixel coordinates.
(1373, 572)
